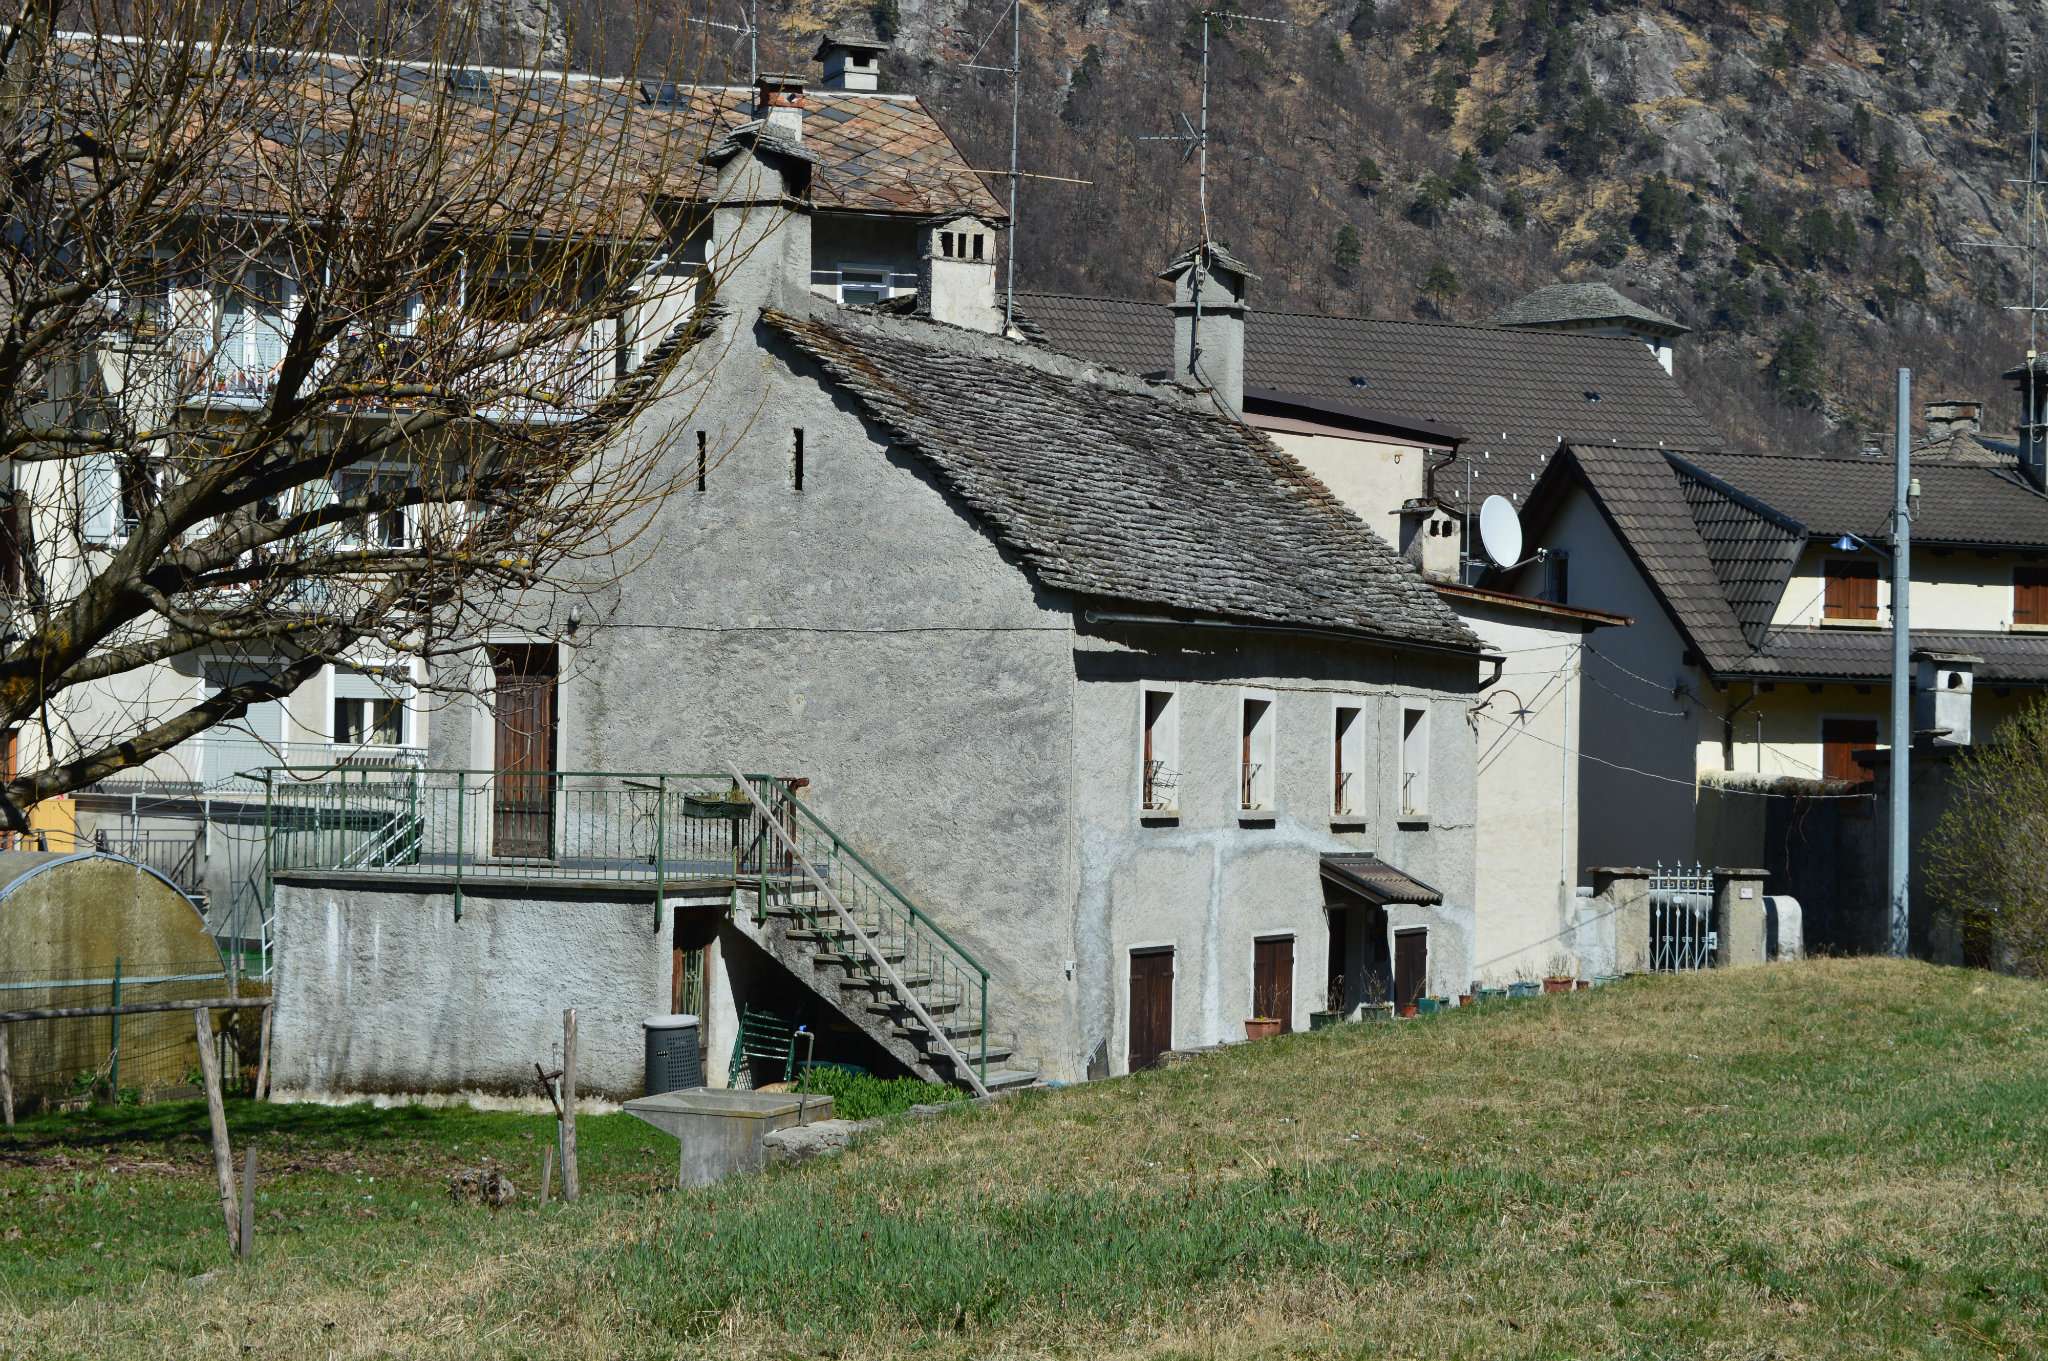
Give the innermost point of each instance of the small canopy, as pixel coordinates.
(1366, 876)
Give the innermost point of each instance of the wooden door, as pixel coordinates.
(523, 788)
(1273, 979)
(1411, 967)
(1151, 1006)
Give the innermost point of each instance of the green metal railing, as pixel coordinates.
(657, 827)
(950, 983)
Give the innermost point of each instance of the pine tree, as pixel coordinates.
(1346, 251)
(1887, 182)
(1366, 178)
(1659, 215)
(1465, 177)
(1441, 286)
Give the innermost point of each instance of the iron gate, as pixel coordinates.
(1682, 935)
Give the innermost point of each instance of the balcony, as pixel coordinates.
(562, 380)
(229, 765)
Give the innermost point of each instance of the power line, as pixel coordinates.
(1693, 784)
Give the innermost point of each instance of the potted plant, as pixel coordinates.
(1261, 1027)
(1333, 1006)
(731, 804)
(1523, 987)
(1557, 983)
(1429, 1006)
(1377, 1011)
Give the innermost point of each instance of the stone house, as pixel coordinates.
(1098, 690)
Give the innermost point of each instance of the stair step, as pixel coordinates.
(870, 982)
(1008, 1079)
(853, 959)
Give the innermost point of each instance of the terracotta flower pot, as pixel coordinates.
(1557, 985)
(1261, 1028)
(1584, 985)
(1409, 1010)
(1464, 999)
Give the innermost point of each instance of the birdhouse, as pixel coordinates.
(1944, 684)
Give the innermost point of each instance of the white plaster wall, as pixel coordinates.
(382, 990)
(1952, 589)
(1210, 881)
(1372, 477)
(1527, 849)
(1639, 754)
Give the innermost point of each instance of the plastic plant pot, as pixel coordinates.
(1323, 1020)
(1557, 985)
(1428, 1006)
(1522, 989)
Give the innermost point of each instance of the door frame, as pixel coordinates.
(1131, 952)
(1293, 939)
(1394, 953)
(493, 651)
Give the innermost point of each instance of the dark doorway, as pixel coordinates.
(1273, 979)
(523, 800)
(1151, 1006)
(1411, 967)
(1334, 991)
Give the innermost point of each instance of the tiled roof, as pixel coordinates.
(1560, 303)
(876, 153)
(1373, 879)
(1109, 488)
(1753, 547)
(1514, 393)
(1858, 654)
(1960, 502)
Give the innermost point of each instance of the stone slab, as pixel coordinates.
(722, 1132)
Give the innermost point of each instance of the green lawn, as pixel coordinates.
(1832, 1159)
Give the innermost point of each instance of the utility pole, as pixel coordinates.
(1902, 661)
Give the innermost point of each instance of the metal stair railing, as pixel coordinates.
(927, 951)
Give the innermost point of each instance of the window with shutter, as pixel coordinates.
(2030, 597)
(1840, 740)
(1851, 592)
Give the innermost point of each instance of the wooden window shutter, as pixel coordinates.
(1851, 590)
(2030, 595)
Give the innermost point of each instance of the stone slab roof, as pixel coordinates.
(1562, 304)
(1114, 489)
(1515, 394)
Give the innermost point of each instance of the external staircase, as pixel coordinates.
(834, 921)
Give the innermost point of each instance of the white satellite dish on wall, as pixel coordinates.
(1500, 531)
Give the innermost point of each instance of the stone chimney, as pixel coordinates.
(852, 59)
(1948, 418)
(2030, 380)
(1208, 322)
(759, 254)
(956, 273)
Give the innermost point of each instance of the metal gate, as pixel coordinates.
(1682, 935)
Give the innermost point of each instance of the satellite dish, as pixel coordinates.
(1500, 531)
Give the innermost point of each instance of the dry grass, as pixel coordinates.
(1832, 1159)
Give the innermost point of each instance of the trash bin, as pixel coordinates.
(673, 1060)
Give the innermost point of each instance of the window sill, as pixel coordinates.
(1347, 822)
(1257, 817)
(1412, 820)
(1159, 817)
(1851, 623)
(2030, 628)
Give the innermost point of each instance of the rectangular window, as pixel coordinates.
(863, 287)
(1840, 740)
(1158, 749)
(1414, 769)
(703, 467)
(1255, 758)
(1348, 760)
(1851, 590)
(2030, 597)
(13, 546)
(796, 459)
(388, 528)
(369, 708)
(1557, 576)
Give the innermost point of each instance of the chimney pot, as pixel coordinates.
(852, 60)
(1209, 290)
(779, 102)
(1948, 417)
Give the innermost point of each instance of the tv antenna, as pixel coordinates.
(2030, 427)
(749, 27)
(1014, 12)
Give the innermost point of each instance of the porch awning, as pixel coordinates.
(1367, 876)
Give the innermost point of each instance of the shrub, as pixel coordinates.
(1987, 858)
(863, 1096)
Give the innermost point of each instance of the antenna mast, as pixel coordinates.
(1015, 71)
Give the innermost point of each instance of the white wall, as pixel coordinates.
(1373, 477)
(1952, 589)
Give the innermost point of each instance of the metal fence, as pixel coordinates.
(1682, 936)
(128, 1058)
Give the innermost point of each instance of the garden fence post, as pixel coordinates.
(114, 1058)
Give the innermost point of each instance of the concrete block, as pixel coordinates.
(725, 1132)
(1739, 917)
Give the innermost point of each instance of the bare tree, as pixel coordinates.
(1987, 857)
(316, 341)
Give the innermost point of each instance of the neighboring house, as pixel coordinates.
(1593, 309)
(1361, 404)
(1759, 665)
(1154, 732)
(886, 181)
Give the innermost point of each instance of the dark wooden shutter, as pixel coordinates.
(1840, 740)
(1151, 1006)
(1851, 590)
(2030, 595)
(1273, 979)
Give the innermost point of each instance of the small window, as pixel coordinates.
(369, 708)
(13, 544)
(142, 486)
(464, 81)
(1851, 589)
(979, 239)
(1158, 749)
(2030, 597)
(863, 287)
(796, 459)
(1348, 760)
(1840, 740)
(1413, 794)
(1255, 759)
(388, 528)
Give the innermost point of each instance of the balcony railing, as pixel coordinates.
(227, 764)
(557, 380)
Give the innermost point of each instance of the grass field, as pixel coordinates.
(1831, 1159)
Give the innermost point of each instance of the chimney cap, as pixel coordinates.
(1218, 259)
(852, 39)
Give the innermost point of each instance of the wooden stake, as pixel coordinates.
(217, 1116)
(547, 1172)
(262, 1092)
(6, 1079)
(570, 1181)
(246, 1244)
